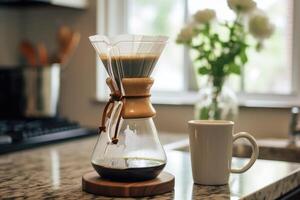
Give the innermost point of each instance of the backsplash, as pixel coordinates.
(10, 28)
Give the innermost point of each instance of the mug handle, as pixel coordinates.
(254, 154)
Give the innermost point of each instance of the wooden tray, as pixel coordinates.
(94, 184)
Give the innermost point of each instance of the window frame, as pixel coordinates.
(112, 20)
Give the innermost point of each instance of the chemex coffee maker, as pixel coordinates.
(128, 158)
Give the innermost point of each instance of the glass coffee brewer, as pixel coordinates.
(128, 147)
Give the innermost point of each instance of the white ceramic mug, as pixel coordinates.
(211, 150)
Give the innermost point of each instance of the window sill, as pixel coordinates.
(245, 100)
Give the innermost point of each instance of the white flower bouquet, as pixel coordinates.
(221, 53)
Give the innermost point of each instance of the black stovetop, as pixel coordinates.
(23, 133)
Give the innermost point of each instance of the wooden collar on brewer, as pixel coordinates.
(136, 102)
(137, 97)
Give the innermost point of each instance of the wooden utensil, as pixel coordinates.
(42, 54)
(28, 51)
(67, 41)
(64, 35)
(67, 51)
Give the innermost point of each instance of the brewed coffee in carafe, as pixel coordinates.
(128, 147)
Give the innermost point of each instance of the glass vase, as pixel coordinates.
(216, 101)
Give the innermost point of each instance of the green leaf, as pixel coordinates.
(203, 70)
(234, 69)
(197, 46)
(204, 113)
(200, 57)
(244, 57)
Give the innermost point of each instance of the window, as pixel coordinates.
(269, 75)
(161, 18)
(269, 71)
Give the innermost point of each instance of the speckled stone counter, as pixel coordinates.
(54, 172)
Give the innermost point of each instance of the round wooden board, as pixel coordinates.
(94, 184)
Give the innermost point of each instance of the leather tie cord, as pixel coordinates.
(111, 100)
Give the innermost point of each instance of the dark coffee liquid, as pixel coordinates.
(131, 66)
(129, 169)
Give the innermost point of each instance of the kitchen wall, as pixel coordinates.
(79, 78)
(9, 35)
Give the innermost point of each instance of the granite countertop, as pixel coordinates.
(55, 171)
